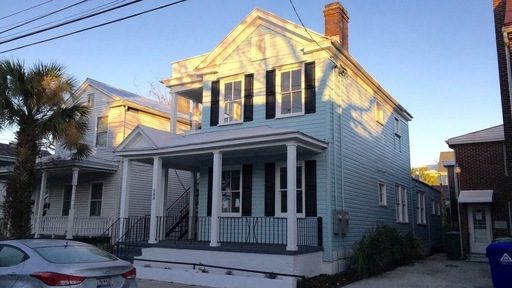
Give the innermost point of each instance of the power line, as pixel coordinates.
(69, 22)
(86, 12)
(43, 16)
(93, 27)
(29, 8)
(307, 31)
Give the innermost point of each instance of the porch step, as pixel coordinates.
(479, 258)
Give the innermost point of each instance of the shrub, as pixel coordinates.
(384, 248)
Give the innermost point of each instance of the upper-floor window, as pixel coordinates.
(290, 99)
(231, 192)
(382, 195)
(101, 131)
(90, 99)
(231, 107)
(379, 112)
(282, 194)
(422, 217)
(96, 198)
(401, 204)
(396, 126)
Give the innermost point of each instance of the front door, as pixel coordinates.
(479, 220)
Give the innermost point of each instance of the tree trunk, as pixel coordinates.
(22, 183)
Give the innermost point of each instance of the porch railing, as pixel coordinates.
(82, 226)
(251, 230)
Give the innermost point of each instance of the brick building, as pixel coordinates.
(485, 197)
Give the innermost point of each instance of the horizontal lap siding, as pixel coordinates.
(369, 157)
(141, 178)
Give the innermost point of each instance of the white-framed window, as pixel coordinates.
(90, 99)
(231, 108)
(420, 199)
(101, 131)
(96, 199)
(382, 194)
(379, 112)
(66, 200)
(396, 126)
(281, 190)
(231, 190)
(402, 215)
(290, 92)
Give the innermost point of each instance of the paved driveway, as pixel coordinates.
(436, 271)
(142, 283)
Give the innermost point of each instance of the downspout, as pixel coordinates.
(341, 74)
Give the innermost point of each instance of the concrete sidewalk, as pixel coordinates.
(436, 271)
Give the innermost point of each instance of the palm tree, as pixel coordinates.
(39, 103)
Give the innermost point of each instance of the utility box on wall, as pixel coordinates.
(341, 222)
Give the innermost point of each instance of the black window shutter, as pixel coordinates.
(310, 169)
(214, 105)
(270, 93)
(246, 190)
(270, 189)
(310, 86)
(248, 95)
(210, 188)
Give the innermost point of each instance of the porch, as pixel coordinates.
(56, 226)
(228, 180)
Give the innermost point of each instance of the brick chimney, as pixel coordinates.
(336, 23)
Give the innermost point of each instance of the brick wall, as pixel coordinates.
(499, 17)
(483, 168)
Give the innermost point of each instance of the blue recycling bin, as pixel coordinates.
(499, 254)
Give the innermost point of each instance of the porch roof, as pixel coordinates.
(146, 141)
(475, 196)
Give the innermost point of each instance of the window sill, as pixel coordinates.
(383, 205)
(230, 123)
(286, 216)
(289, 115)
(230, 215)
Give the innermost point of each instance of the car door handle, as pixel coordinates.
(12, 274)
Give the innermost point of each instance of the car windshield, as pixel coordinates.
(74, 254)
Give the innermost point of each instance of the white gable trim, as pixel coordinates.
(137, 139)
(246, 27)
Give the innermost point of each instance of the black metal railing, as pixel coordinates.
(261, 230)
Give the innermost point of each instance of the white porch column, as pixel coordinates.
(291, 203)
(155, 195)
(39, 211)
(191, 209)
(174, 111)
(125, 195)
(71, 215)
(216, 189)
(161, 202)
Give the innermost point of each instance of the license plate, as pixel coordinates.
(104, 283)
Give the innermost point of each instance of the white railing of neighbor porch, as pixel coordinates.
(82, 226)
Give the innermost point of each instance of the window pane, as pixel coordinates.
(235, 203)
(237, 90)
(299, 201)
(97, 191)
(67, 192)
(235, 180)
(226, 180)
(285, 81)
(282, 178)
(101, 139)
(74, 254)
(102, 124)
(226, 202)
(298, 178)
(10, 256)
(237, 111)
(296, 79)
(297, 102)
(283, 201)
(95, 208)
(228, 91)
(286, 103)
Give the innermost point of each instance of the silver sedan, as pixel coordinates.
(41, 263)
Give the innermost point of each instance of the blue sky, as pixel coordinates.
(436, 57)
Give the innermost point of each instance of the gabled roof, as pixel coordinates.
(120, 94)
(255, 17)
(492, 134)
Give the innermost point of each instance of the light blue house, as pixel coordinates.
(276, 95)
